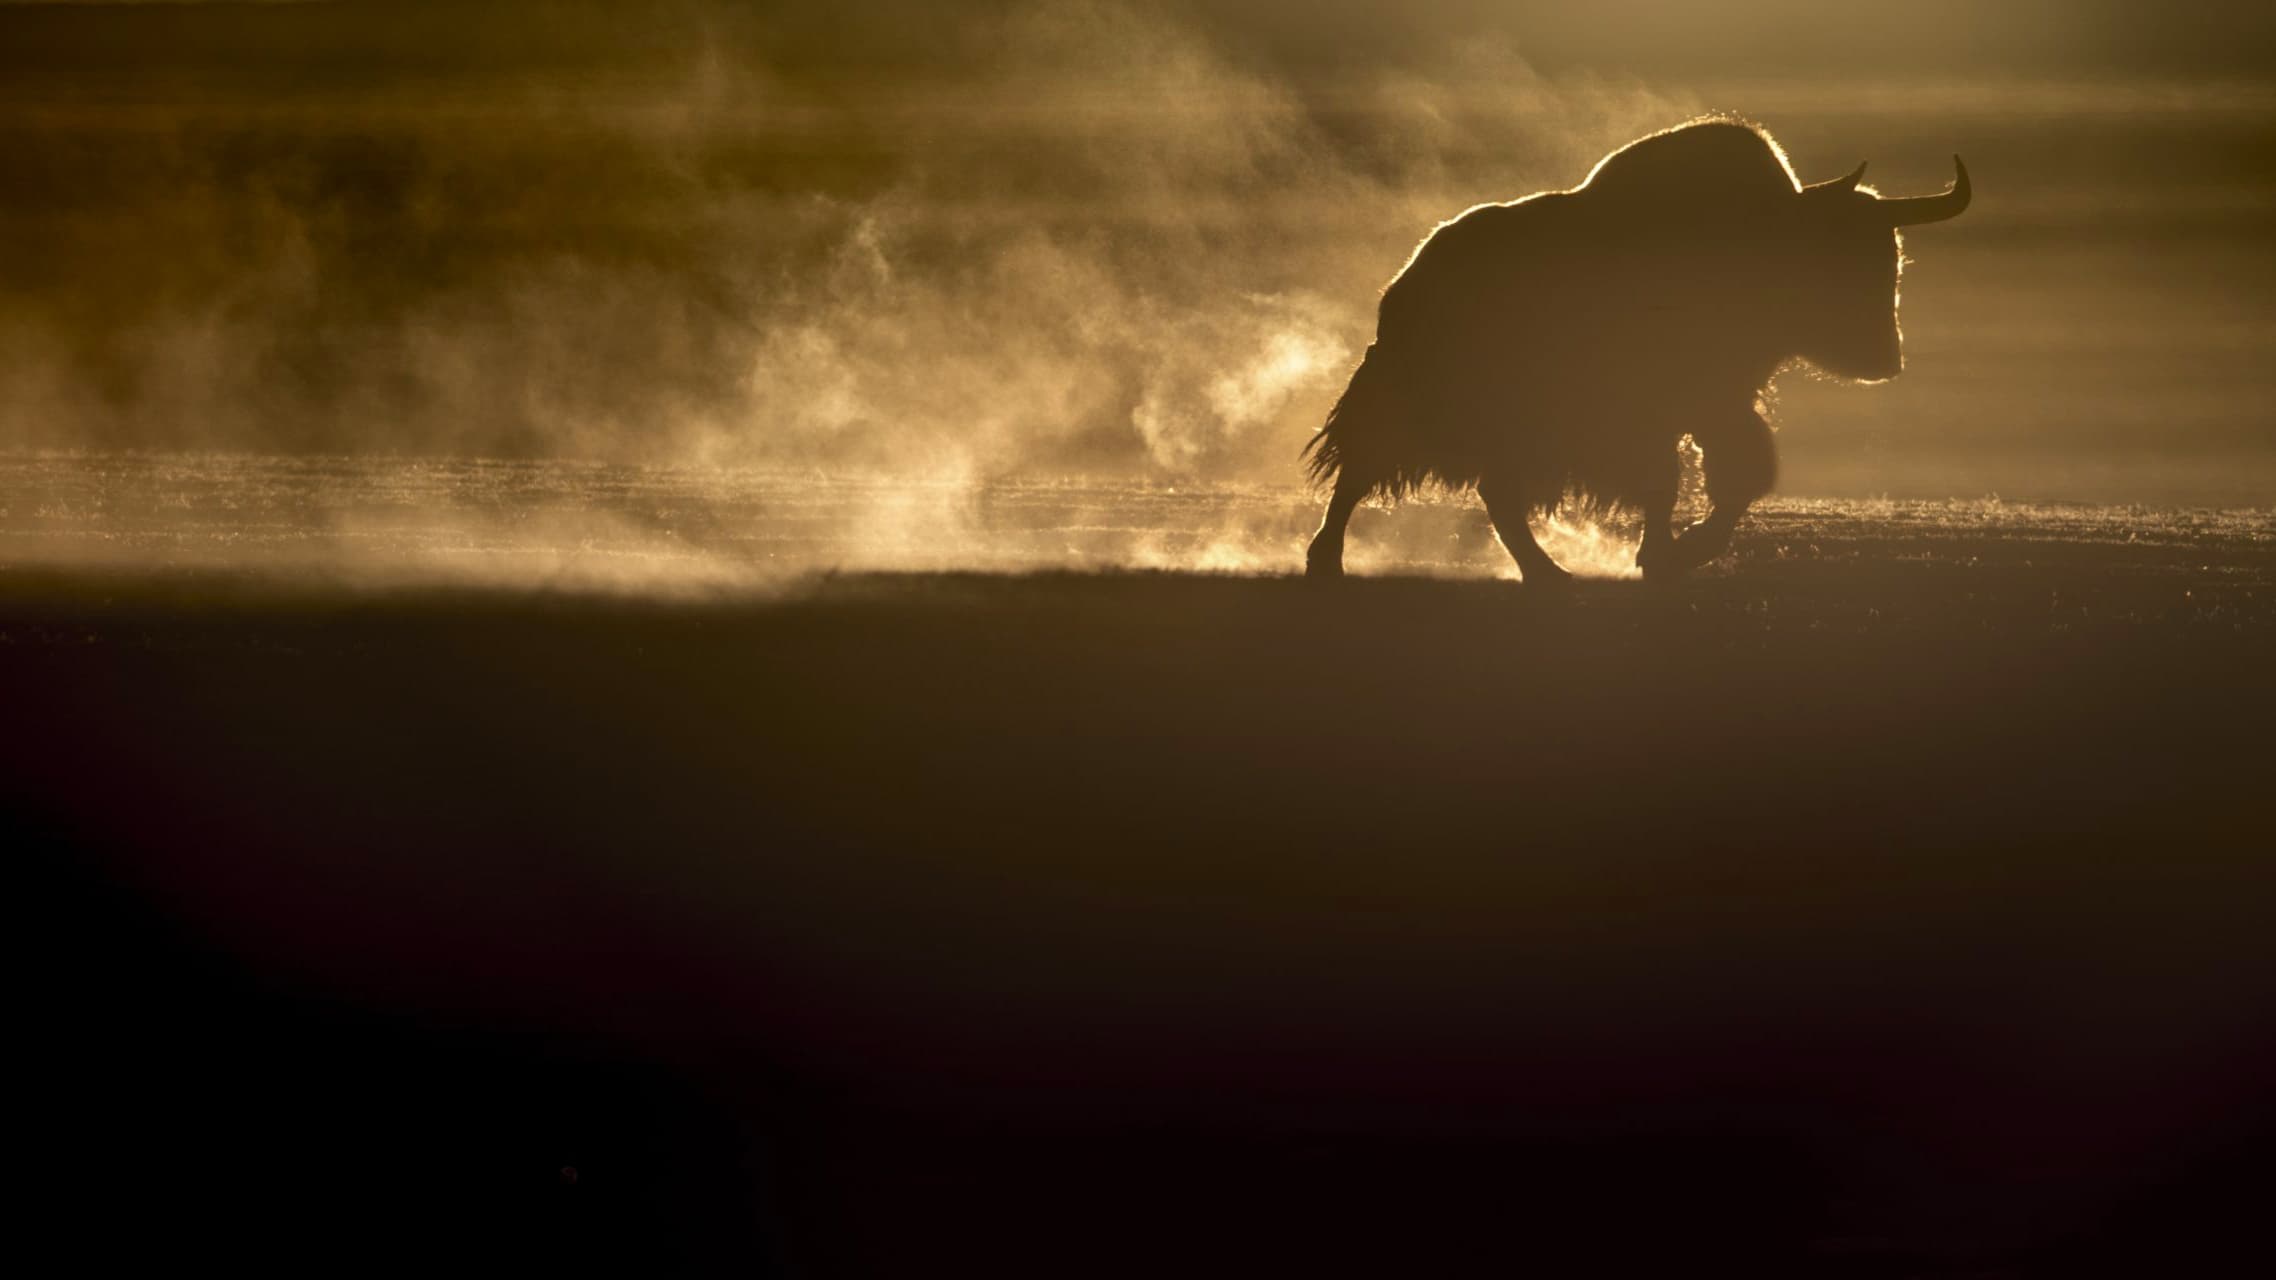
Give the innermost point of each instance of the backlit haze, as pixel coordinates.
(948, 255)
(667, 637)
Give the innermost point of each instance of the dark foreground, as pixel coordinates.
(1885, 917)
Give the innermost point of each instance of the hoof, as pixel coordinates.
(1698, 545)
(1546, 579)
(1660, 564)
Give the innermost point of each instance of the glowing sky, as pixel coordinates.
(1047, 238)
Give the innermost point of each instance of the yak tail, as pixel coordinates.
(1364, 398)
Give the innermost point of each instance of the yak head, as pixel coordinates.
(1844, 254)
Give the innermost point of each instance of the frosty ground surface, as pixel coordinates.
(1888, 900)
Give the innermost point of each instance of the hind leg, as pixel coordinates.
(1324, 558)
(1741, 464)
(1510, 507)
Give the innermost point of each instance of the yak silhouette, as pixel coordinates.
(1571, 339)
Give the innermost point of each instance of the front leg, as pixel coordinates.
(1741, 464)
(1658, 549)
(1659, 552)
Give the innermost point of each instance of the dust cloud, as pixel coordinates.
(1097, 246)
(1100, 245)
(693, 531)
(940, 257)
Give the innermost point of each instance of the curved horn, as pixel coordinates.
(1848, 183)
(1915, 210)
